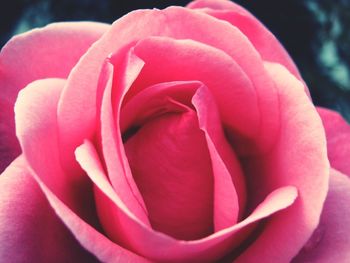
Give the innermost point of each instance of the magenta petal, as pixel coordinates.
(154, 101)
(42, 53)
(262, 39)
(229, 183)
(36, 128)
(331, 240)
(299, 159)
(338, 139)
(171, 165)
(30, 230)
(92, 240)
(125, 227)
(216, 5)
(238, 97)
(37, 54)
(9, 147)
(111, 141)
(253, 101)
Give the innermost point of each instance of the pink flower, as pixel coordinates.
(176, 135)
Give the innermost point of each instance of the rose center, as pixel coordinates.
(171, 166)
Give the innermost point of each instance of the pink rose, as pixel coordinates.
(176, 135)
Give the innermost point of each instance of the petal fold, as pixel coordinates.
(338, 139)
(30, 229)
(36, 129)
(299, 158)
(112, 147)
(331, 240)
(229, 183)
(262, 39)
(137, 237)
(36, 54)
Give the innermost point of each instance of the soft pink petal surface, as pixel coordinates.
(176, 22)
(117, 165)
(70, 195)
(170, 162)
(331, 240)
(30, 230)
(153, 101)
(226, 81)
(262, 39)
(36, 129)
(299, 159)
(338, 139)
(168, 127)
(229, 183)
(123, 227)
(40, 53)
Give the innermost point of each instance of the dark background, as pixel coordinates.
(315, 32)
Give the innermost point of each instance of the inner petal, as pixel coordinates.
(171, 166)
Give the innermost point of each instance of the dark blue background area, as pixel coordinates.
(315, 33)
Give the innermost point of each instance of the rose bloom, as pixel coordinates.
(175, 135)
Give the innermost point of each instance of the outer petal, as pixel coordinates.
(94, 241)
(30, 230)
(299, 159)
(41, 53)
(331, 240)
(70, 194)
(36, 128)
(338, 139)
(262, 39)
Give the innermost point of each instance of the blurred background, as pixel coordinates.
(314, 32)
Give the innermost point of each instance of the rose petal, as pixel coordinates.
(238, 97)
(9, 147)
(68, 194)
(229, 183)
(262, 39)
(175, 22)
(30, 230)
(39, 53)
(299, 159)
(153, 101)
(111, 139)
(112, 146)
(331, 240)
(91, 239)
(338, 139)
(36, 129)
(217, 5)
(170, 162)
(157, 246)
